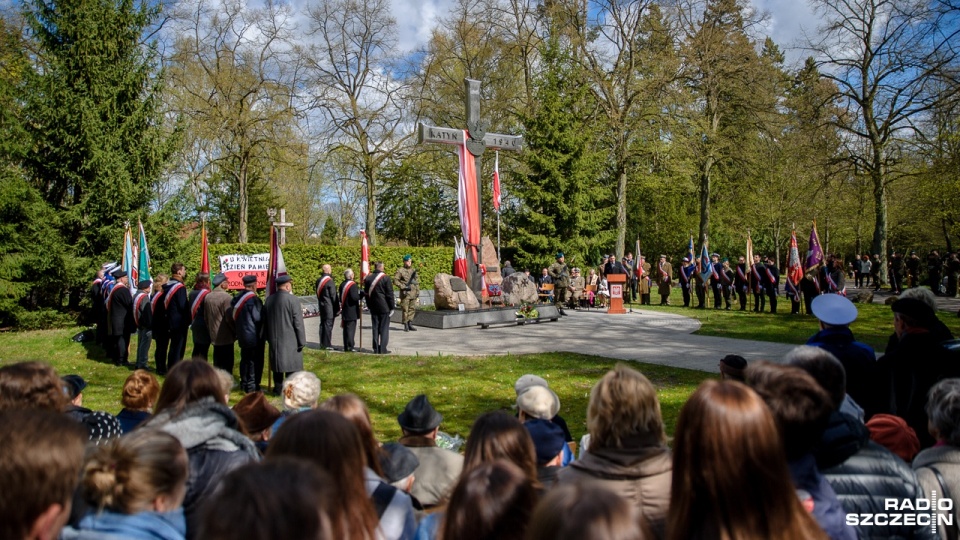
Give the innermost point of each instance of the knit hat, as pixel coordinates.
(539, 402)
(547, 437)
(893, 433)
(73, 385)
(419, 416)
(397, 462)
(256, 413)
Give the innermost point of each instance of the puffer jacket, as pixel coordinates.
(945, 458)
(640, 473)
(864, 474)
(209, 431)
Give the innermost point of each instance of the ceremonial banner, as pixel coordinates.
(143, 258)
(467, 198)
(750, 272)
(129, 259)
(204, 251)
(364, 255)
(815, 252)
(706, 265)
(237, 266)
(794, 266)
(276, 267)
(459, 259)
(496, 184)
(691, 254)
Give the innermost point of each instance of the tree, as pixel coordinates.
(885, 58)
(331, 232)
(418, 208)
(356, 91)
(564, 204)
(91, 111)
(234, 77)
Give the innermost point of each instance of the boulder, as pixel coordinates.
(450, 291)
(518, 289)
(861, 297)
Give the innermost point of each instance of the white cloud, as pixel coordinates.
(789, 21)
(416, 19)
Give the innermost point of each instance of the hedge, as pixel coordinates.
(304, 261)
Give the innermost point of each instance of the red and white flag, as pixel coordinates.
(277, 267)
(459, 259)
(468, 198)
(204, 250)
(496, 183)
(794, 266)
(364, 255)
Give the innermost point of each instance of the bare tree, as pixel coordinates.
(358, 90)
(885, 58)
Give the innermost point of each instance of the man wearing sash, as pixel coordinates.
(664, 275)
(119, 319)
(177, 310)
(700, 286)
(686, 276)
(142, 314)
(380, 301)
(219, 319)
(350, 295)
(726, 277)
(283, 329)
(771, 283)
(247, 321)
(409, 283)
(716, 283)
(198, 326)
(329, 304)
(758, 274)
(741, 282)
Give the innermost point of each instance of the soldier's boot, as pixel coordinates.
(410, 327)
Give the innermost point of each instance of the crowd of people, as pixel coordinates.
(815, 445)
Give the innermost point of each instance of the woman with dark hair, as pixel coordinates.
(31, 385)
(584, 512)
(281, 498)
(140, 392)
(394, 507)
(134, 486)
(191, 407)
(332, 442)
(628, 451)
(730, 474)
(492, 501)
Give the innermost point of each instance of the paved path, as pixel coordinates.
(646, 336)
(944, 303)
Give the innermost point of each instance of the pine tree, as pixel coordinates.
(565, 207)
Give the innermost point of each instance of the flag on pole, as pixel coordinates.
(691, 254)
(750, 272)
(468, 198)
(496, 183)
(794, 266)
(637, 268)
(364, 255)
(706, 265)
(815, 252)
(276, 267)
(129, 258)
(143, 258)
(459, 259)
(204, 250)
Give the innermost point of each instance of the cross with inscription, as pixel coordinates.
(478, 141)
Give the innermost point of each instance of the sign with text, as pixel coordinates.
(235, 267)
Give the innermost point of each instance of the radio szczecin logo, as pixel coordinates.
(908, 512)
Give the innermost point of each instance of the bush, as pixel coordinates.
(43, 319)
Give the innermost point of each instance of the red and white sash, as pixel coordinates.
(197, 301)
(243, 300)
(373, 284)
(136, 307)
(156, 298)
(346, 289)
(170, 292)
(110, 296)
(323, 283)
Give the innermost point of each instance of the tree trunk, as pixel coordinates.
(880, 223)
(621, 211)
(705, 198)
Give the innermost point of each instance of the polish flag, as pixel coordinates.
(364, 255)
(496, 183)
(467, 198)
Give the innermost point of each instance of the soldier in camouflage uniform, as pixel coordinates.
(409, 283)
(560, 274)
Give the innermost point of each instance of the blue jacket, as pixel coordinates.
(826, 506)
(141, 526)
(176, 306)
(860, 363)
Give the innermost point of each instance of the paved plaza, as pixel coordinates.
(645, 336)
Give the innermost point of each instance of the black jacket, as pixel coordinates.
(380, 299)
(142, 310)
(327, 297)
(864, 474)
(247, 320)
(350, 304)
(120, 311)
(177, 309)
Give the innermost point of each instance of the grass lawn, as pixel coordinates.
(461, 388)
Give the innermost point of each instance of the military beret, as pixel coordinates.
(285, 278)
(559, 254)
(249, 280)
(408, 257)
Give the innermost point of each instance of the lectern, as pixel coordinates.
(616, 284)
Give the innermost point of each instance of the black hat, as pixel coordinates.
(397, 462)
(73, 385)
(285, 278)
(548, 439)
(249, 279)
(917, 310)
(144, 284)
(419, 416)
(218, 279)
(117, 274)
(733, 366)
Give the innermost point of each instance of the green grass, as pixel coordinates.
(461, 388)
(873, 326)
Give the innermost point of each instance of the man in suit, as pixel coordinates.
(630, 266)
(716, 281)
(142, 315)
(329, 304)
(119, 319)
(247, 322)
(216, 313)
(771, 283)
(664, 275)
(177, 310)
(741, 282)
(687, 269)
(350, 295)
(757, 278)
(380, 301)
(283, 329)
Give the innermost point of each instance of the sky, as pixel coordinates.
(786, 22)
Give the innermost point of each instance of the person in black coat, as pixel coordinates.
(99, 312)
(758, 274)
(771, 283)
(915, 363)
(247, 321)
(329, 304)
(177, 311)
(741, 282)
(349, 298)
(381, 302)
(142, 318)
(198, 326)
(120, 319)
(159, 326)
